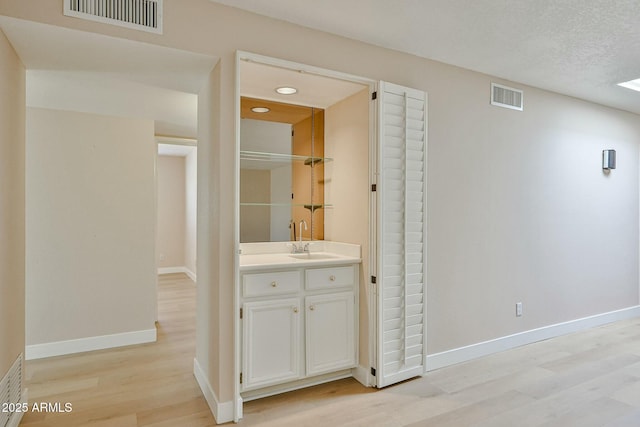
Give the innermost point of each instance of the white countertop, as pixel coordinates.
(277, 255)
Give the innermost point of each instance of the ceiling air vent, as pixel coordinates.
(507, 97)
(145, 15)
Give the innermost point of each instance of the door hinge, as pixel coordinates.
(373, 279)
(373, 372)
(374, 187)
(241, 377)
(241, 313)
(374, 96)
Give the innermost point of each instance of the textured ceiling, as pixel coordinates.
(580, 48)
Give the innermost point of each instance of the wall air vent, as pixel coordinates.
(507, 97)
(11, 395)
(145, 15)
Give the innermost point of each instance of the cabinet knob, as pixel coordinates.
(274, 284)
(311, 307)
(332, 278)
(295, 309)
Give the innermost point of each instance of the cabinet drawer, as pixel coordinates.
(328, 278)
(266, 284)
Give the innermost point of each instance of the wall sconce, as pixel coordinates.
(608, 159)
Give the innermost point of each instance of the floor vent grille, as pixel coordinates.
(11, 393)
(507, 97)
(145, 15)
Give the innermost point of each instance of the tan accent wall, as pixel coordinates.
(91, 217)
(12, 205)
(308, 178)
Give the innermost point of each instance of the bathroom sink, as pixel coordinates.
(314, 255)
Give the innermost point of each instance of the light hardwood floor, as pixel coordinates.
(145, 385)
(586, 379)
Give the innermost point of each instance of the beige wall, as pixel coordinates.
(347, 189)
(191, 196)
(90, 226)
(207, 262)
(255, 221)
(519, 210)
(217, 210)
(172, 204)
(12, 205)
(518, 207)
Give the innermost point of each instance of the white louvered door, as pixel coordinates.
(401, 243)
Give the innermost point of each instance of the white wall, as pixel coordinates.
(90, 226)
(172, 206)
(12, 205)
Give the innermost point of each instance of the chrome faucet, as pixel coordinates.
(298, 249)
(303, 222)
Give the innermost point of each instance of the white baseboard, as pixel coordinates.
(361, 374)
(171, 270)
(240, 408)
(16, 417)
(222, 412)
(59, 348)
(474, 351)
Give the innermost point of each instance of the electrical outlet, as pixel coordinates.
(518, 309)
(161, 257)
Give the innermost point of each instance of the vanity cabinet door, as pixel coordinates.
(329, 328)
(271, 342)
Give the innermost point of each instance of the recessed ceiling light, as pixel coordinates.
(260, 110)
(285, 90)
(632, 84)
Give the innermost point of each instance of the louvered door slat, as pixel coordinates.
(402, 227)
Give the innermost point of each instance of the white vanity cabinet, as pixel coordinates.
(297, 324)
(329, 332)
(271, 339)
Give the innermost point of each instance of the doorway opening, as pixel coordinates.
(177, 187)
(336, 196)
